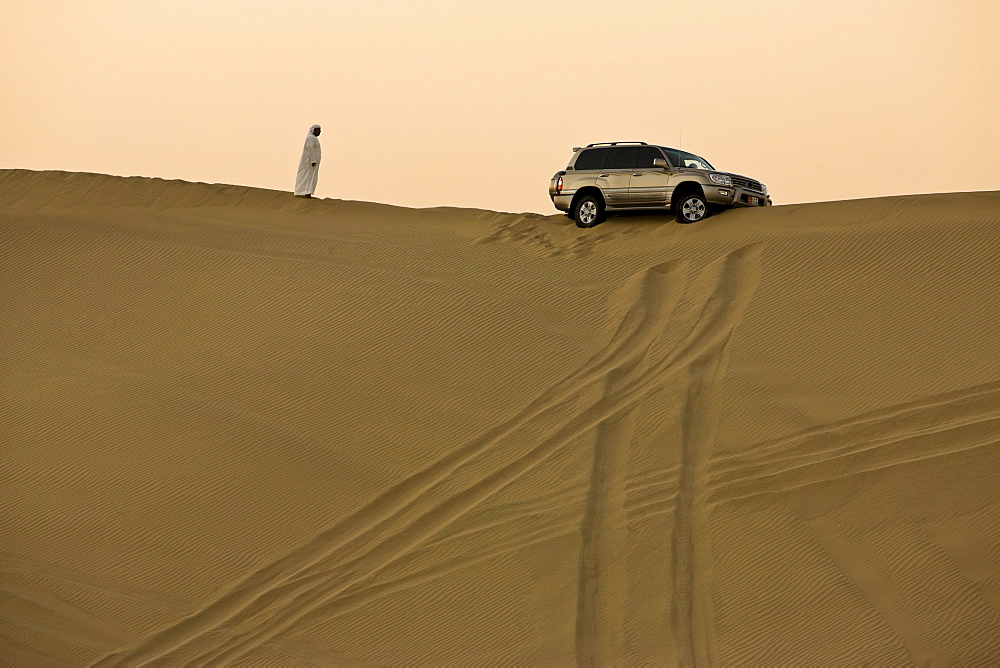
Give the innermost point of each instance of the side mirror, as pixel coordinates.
(659, 162)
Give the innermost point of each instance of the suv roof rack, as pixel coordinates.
(615, 143)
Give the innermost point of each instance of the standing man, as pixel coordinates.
(305, 180)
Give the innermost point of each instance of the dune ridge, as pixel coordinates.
(248, 429)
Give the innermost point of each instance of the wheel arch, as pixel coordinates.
(588, 190)
(682, 189)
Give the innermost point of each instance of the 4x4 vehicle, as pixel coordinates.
(618, 176)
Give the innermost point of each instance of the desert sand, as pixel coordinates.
(245, 429)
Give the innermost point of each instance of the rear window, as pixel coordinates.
(622, 158)
(591, 158)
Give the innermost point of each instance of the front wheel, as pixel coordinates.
(588, 211)
(691, 208)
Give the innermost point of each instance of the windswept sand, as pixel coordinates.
(244, 429)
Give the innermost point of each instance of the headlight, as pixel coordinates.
(721, 179)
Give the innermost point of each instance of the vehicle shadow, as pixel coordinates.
(642, 218)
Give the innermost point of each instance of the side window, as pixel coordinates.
(622, 157)
(674, 158)
(646, 156)
(591, 158)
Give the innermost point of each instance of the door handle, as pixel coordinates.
(603, 175)
(637, 175)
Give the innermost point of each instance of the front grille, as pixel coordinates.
(749, 184)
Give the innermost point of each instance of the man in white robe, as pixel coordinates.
(305, 180)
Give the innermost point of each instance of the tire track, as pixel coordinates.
(263, 607)
(971, 403)
(355, 598)
(691, 550)
(713, 327)
(659, 290)
(603, 568)
(940, 426)
(256, 590)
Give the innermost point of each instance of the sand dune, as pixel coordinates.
(245, 429)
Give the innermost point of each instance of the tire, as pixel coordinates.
(691, 208)
(588, 211)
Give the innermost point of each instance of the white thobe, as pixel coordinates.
(305, 180)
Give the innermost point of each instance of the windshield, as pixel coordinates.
(685, 159)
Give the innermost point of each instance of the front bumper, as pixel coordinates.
(735, 196)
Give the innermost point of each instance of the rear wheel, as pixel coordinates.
(588, 211)
(691, 208)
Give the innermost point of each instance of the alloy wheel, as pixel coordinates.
(694, 209)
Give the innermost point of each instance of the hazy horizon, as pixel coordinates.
(476, 104)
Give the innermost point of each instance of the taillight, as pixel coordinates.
(559, 185)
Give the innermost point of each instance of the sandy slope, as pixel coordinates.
(244, 429)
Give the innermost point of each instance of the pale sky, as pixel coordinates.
(476, 103)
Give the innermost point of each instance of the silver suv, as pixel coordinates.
(619, 176)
